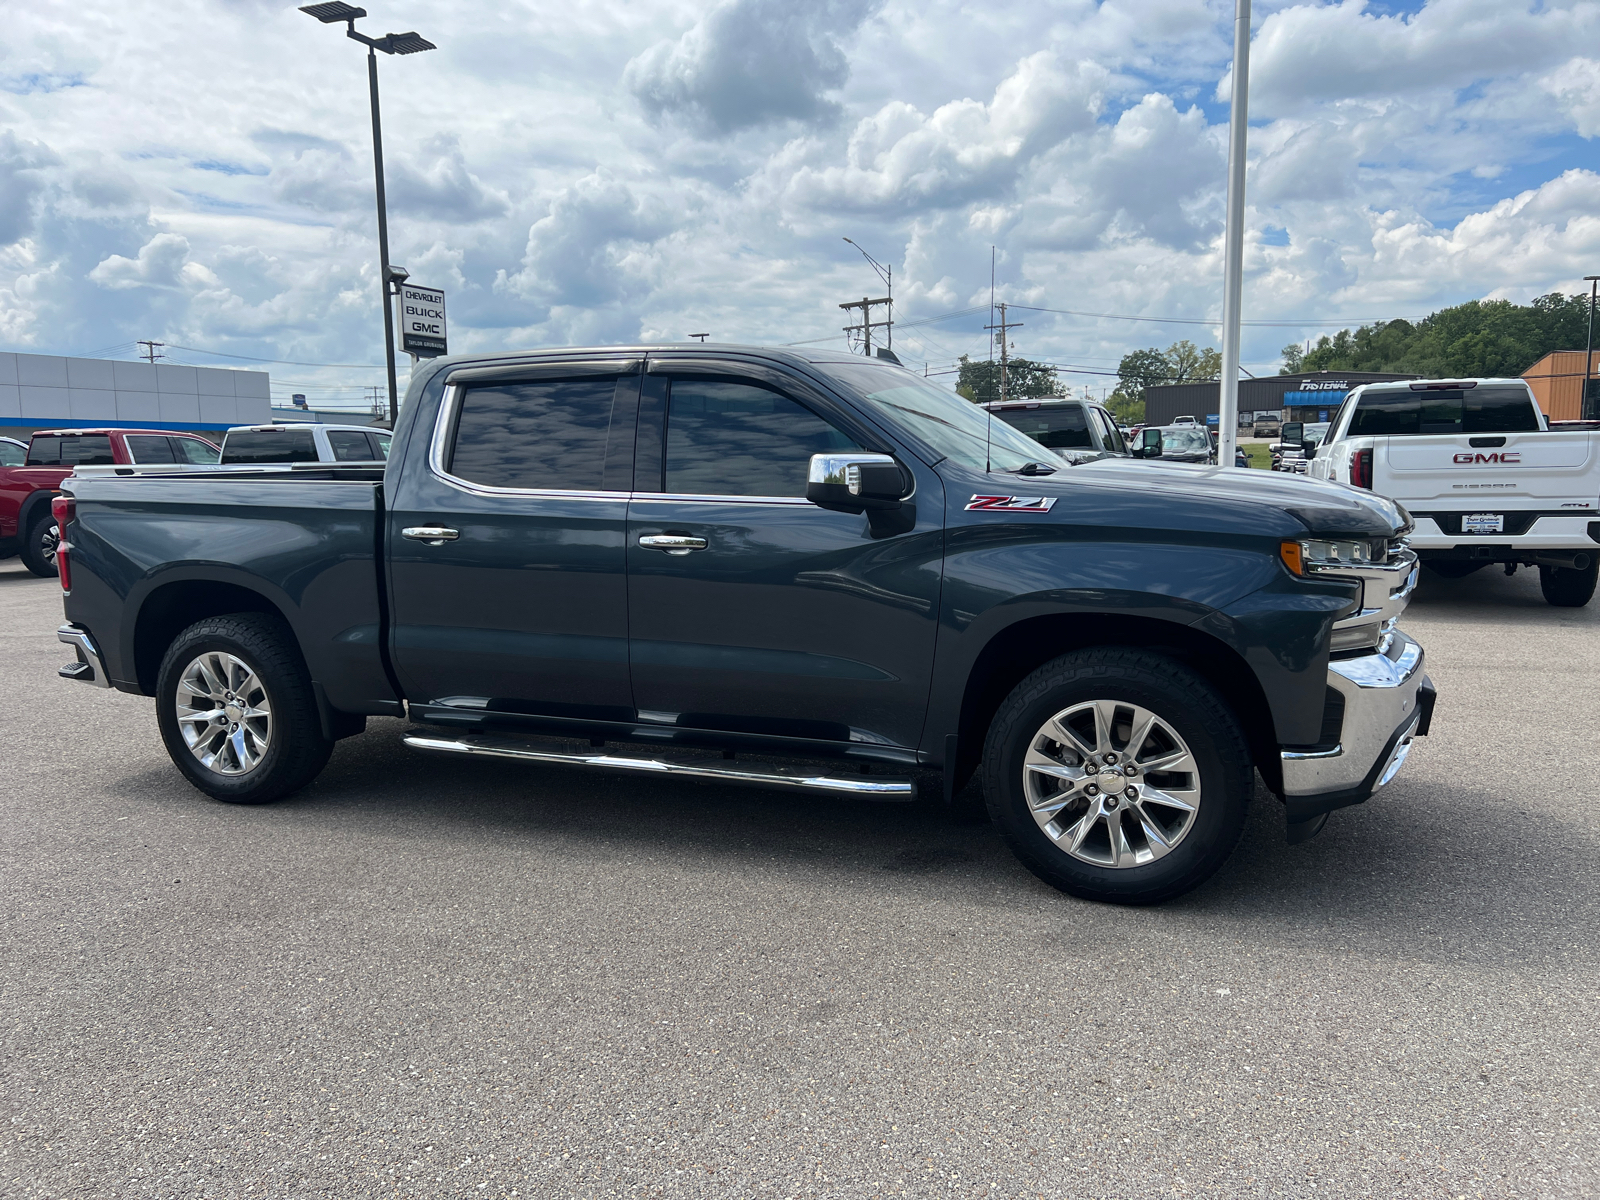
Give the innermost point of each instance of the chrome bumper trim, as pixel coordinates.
(883, 788)
(1381, 713)
(90, 667)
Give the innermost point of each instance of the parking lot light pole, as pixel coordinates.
(1233, 237)
(1588, 351)
(886, 273)
(389, 43)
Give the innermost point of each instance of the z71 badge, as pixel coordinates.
(1013, 503)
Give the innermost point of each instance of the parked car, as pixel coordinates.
(1268, 425)
(720, 551)
(12, 452)
(1484, 478)
(1293, 456)
(303, 441)
(1183, 420)
(1077, 430)
(1176, 443)
(26, 527)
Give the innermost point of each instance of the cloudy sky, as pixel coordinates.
(597, 171)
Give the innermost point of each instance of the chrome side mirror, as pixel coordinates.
(861, 482)
(855, 483)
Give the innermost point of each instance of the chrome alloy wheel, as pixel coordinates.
(223, 713)
(49, 541)
(1111, 783)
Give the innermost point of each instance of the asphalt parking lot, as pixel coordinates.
(425, 977)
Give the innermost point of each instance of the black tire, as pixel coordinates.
(38, 546)
(1178, 697)
(295, 750)
(1566, 587)
(1454, 568)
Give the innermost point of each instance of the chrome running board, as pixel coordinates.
(882, 788)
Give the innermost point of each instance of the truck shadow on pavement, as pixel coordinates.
(1422, 872)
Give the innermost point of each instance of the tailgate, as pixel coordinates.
(1523, 470)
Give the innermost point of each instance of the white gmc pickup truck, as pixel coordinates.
(1482, 474)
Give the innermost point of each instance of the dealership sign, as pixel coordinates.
(422, 328)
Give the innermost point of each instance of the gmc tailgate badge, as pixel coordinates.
(1015, 503)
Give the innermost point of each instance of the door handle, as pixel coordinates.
(432, 535)
(676, 544)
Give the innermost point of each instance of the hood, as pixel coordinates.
(1332, 509)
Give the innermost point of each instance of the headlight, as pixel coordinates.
(1302, 556)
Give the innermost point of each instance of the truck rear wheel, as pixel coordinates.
(236, 710)
(1566, 587)
(1117, 775)
(39, 541)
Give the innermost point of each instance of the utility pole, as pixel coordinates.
(1004, 348)
(867, 323)
(150, 348)
(1588, 352)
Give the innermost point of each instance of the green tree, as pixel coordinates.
(979, 381)
(1188, 363)
(1480, 337)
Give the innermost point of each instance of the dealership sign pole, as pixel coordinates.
(1233, 238)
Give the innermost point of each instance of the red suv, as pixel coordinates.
(26, 527)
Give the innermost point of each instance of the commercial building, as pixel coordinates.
(1307, 396)
(47, 391)
(1557, 381)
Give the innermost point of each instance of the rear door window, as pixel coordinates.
(193, 450)
(380, 443)
(149, 448)
(269, 446)
(728, 438)
(349, 445)
(545, 435)
(70, 450)
(11, 454)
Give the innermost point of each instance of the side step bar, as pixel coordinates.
(867, 787)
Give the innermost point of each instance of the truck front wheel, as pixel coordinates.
(236, 710)
(1567, 587)
(1117, 775)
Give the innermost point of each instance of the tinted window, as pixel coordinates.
(148, 448)
(269, 446)
(535, 435)
(1053, 427)
(736, 439)
(70, 450)
(381, 441)
(1108, 428)
(11, 455)
(193, 450)
(1444, 410)
(349, 446)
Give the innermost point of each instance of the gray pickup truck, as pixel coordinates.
(698, 561)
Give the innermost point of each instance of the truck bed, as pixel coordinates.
(309, 540)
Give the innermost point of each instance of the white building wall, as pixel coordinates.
(40, 390)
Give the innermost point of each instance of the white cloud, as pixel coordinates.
(612, 171)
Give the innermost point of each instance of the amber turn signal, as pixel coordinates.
(1291, 554)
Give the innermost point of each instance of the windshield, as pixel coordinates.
(951, 426)
(1184, 441)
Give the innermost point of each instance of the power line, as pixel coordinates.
(1308, 323)
(285, 362)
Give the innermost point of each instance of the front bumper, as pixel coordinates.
(1388, 702)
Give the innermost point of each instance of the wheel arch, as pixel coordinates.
(172, 607)
(1022, 647)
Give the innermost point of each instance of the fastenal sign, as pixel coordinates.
(422, 328)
